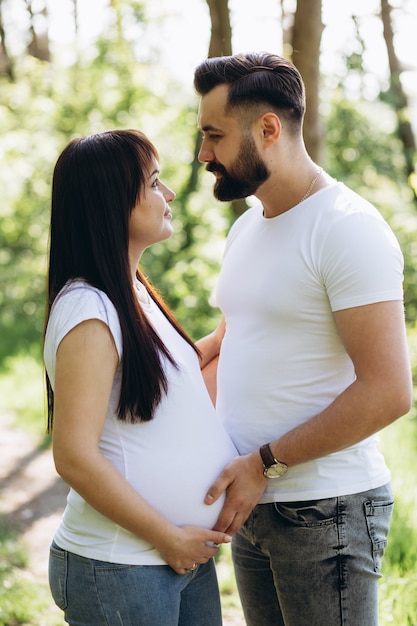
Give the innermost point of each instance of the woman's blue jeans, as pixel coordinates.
(313, 563)
(97, 593)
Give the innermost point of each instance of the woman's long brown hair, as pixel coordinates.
(97, 182)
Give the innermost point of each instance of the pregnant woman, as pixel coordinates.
(135, 434)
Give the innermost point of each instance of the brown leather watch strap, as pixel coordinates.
(267, 457)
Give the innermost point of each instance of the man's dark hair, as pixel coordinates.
(256, 80)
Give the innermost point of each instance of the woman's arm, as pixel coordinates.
(86, 364)
(209, 347)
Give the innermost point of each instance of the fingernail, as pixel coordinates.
(227, 538)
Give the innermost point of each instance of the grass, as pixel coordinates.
(228, 590)
(22, 393)
(24, 602)
(398, 587)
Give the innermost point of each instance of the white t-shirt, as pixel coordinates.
(171, 461)
(282, 360)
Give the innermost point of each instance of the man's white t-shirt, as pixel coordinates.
(171, 461)
(282, 360)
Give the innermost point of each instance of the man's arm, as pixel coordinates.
(374, 337)
(209, 346)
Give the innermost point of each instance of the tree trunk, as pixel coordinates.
(221, 45)
(399, 99)
(6, 66)
(306, 38)
(221, 31)
(39, 44)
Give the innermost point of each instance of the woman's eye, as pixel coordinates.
(155, 183)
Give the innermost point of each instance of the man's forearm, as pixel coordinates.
(209, 345)
(359, 412)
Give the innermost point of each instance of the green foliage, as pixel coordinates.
(356, 145)
(106, 87)
(372, 163)
(42, 111)
(21, 601)
(25, 182)
(22, 392)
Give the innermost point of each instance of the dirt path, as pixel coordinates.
(32, 494)
(33, 499)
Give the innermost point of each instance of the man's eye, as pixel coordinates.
(211, 136)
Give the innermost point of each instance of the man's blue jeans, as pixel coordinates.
(313, 563)
(96, 593)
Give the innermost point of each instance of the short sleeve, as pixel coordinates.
(77, 303)
(362, 262)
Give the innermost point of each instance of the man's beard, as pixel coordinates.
(245, 174)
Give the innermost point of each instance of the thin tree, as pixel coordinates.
(306, 38)
(221, 30)
(39, 43)
(220, 45)
(399, 99)
(6, 65)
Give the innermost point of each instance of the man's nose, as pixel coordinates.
(205, 154)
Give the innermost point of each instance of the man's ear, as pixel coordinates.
(270, 126)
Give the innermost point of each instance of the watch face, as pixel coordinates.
(275, 471)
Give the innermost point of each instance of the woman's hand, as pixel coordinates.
(189, 546)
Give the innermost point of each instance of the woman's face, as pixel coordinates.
(150, 220)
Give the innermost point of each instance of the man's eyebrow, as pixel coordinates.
(208, 127)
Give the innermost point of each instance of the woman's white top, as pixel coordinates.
(171, 461)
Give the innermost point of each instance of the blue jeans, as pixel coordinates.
(97, 593)
(313, 563)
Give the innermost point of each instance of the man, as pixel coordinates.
(313, 357)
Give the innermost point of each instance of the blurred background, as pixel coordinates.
(71, 68)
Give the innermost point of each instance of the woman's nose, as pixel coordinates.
(170, 195)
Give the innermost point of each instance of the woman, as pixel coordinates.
(135, 435)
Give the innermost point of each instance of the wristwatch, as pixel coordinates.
(272, 467)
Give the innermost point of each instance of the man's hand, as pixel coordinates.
(244, 483)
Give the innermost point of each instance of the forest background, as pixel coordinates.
(72, 68)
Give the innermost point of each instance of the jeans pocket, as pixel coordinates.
(378, 517)
(308, 514)
(58, 571)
